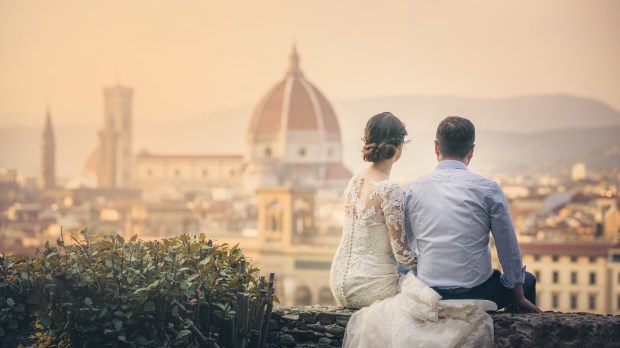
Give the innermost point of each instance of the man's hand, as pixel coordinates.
(521, 302)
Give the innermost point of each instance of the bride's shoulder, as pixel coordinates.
(387, 186)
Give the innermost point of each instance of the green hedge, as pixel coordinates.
(113, 292)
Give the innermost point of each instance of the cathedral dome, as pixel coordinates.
(294, 104)
(294, 136)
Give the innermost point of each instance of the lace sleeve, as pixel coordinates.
(392, 207)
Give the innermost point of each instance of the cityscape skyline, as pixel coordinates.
(281, 199)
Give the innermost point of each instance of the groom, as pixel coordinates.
(448, 216)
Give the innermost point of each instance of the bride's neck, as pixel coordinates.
(384, 167)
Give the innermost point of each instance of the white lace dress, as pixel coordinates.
(364, 275)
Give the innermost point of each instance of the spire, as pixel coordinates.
(294, 69)
(47, 176)
(48, 131)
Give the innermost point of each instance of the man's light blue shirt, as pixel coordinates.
(448, 216)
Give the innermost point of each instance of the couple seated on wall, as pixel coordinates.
(437, 231)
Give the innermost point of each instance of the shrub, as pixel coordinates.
(173, 292)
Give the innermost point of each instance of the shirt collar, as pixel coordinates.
(451, 164)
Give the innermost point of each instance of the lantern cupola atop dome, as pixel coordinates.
(294, 135)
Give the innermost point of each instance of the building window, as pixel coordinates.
(573, 301)
(592, 259)
(303, 297)
(573, 277)
(556, 277)
(555, 258)
(302, 151)
(592, 278)
(537, 258)
(573, 259)
(325, 297)
(592, 301)
(267, 152)
(554, 300)
(537, 275)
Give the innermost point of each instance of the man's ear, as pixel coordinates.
(437, 152)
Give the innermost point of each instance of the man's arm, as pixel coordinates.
(507, 247)
(519, 300)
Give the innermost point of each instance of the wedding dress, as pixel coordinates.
(364, 275)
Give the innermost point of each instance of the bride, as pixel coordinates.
(395, 311)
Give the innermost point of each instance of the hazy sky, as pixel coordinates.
(186, 58)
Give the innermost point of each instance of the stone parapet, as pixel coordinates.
(316, 326)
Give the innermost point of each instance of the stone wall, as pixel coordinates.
(316, 326)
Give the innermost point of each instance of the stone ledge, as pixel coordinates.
(316, 326)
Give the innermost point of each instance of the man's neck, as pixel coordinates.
(463, 160)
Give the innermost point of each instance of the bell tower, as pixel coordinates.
(115, 139)
(285, 215)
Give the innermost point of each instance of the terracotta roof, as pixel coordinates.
(296, 103)
(189, 157)
(571, 249)
(338, 172)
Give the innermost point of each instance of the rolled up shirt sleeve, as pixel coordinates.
(505, 238)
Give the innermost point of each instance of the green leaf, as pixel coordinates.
(52, 254)
(152, 285)
(88, 301)
(133, 239)
(10, 302)
(143, 341)
(46, 321)
(205, 261)
(192, 277)
(183, 333)
(118, 325)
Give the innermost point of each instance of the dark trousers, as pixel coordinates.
(492, 290)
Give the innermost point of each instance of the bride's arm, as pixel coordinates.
(392, 207)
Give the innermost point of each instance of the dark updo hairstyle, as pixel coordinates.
(383, 134)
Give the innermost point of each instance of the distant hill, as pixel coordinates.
(514, 134)
(523, 114)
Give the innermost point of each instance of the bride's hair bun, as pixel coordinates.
(383, 134)
(377, 152)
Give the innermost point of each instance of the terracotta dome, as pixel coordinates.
(296, 104)
(293, 136)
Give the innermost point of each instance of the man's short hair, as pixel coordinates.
(456, 136)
